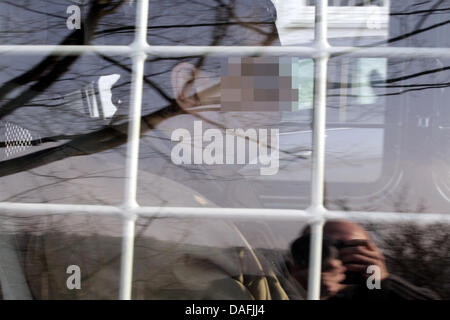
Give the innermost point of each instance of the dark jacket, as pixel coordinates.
(392, 288)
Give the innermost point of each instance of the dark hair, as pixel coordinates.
(300, 250)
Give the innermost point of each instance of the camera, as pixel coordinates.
(330, 250)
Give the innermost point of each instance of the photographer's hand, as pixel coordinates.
(359, 254)
(333, 274)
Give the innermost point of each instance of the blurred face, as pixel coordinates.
(258, 84)
(242, 84)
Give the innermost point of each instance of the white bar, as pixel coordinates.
(320, 24)
(63, 50)
(220, 51)
(315, 260)
(318, 138)
(134, 129)
(318, 150)
(290, 215)
(126, 259)
(226, 51)
(390, 52)
(14, 208)
(390, 217)
(223, 213)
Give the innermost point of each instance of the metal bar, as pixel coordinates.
(320, 24)
(15, 209)
(319, 126)
(126, 259)
(290, 215)
(318, 150)
(389, 217)
(389, 52)
(395, 52)
(221, 51)
(315, 260)
(223, 213)
(63, 50)
(126, 273)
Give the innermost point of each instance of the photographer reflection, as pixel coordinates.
(347, 253)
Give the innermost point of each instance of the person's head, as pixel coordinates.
(222, 83)
(341, 230)
(344, 230)
(337, 234)
(263, 84)
(204, 23)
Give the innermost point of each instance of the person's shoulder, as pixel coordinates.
(404, 289)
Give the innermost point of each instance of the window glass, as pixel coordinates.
(212, 23)
(406, 261)
(232, 131)
(63, 128)
(390, 154)
(239, 134)
(419, 24)
(60, 256)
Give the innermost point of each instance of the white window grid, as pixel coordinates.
(316, 214)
